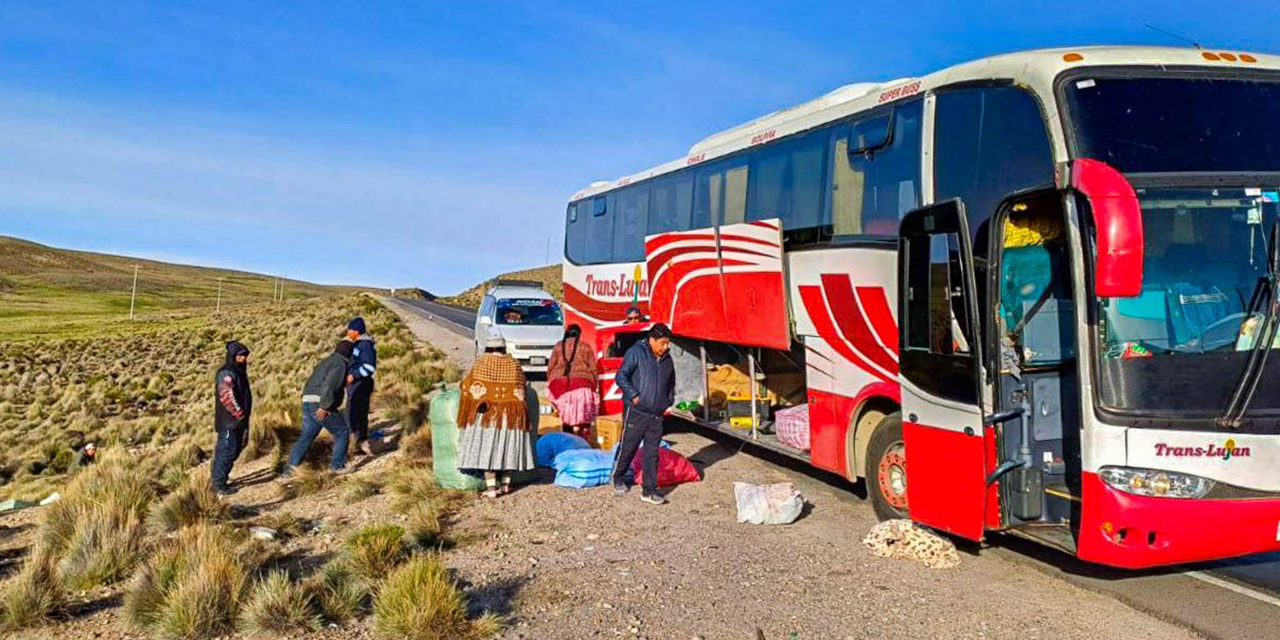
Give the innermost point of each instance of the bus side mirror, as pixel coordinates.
(1117, 218)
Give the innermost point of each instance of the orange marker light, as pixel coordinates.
(1247, 58)
(1072, 57)
(1229, 57)
(1209, 55)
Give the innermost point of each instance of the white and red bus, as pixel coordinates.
(1032, 293)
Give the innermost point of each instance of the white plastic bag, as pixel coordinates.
(768, 503)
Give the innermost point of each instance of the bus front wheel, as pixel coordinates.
(886, 471)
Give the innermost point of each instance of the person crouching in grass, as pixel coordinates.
(493, 417)
(321, 399)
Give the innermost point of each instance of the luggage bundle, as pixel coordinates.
(792, 426)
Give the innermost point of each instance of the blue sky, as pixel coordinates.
(435, 144)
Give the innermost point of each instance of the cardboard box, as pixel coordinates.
(549, 424)
(608, 431)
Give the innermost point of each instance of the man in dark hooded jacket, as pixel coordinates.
(321, 399)
(364, 361)
(233, 403)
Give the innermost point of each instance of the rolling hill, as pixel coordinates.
(550, 276)
(49, 292)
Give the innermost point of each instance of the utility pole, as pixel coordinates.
(546, 257)
(286, 276)
(134, 295)
(219, 307)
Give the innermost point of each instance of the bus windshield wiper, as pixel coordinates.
(1264, 336)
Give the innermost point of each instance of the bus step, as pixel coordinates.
(1060, 490)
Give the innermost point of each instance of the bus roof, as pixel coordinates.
(1033, 69)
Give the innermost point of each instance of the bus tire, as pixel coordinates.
(886, 471)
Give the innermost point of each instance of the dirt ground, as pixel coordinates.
(567, 564)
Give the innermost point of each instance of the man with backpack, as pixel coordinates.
(233, 404)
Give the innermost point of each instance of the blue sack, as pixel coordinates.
(553, 444)
(582, 468)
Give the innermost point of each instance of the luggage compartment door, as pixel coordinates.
(942, 427)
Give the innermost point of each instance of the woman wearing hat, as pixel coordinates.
(495, 436)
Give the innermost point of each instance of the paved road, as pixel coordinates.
(1232, 599)
(457, 319)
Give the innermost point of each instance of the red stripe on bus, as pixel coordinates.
(816, 305)
(844, 306)
(876, 304)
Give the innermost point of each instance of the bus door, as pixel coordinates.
(942, 427)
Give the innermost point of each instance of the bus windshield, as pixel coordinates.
(1182, 343)
(1176, 123)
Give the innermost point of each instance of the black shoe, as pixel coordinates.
(226, 491)
(620, 488)
(653, 498)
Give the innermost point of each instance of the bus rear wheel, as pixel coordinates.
(886, 471)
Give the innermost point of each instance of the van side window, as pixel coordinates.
(872, 190)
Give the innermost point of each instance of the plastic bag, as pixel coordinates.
(582, 468)
(550, 445)
(768, 503)
(673, 468)
(444, 443)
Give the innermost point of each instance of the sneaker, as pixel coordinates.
(620, 488)
(366, 448)
(653, 499)
(341, 472)
(225, 492)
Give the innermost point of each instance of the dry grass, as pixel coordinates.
(278, 605)
(307, 480)
(376, 549)
(419, 601)
(96, 531)
(357, 488)
(191, 587)
(340, 594)
(32, 597)
(192, 503)
(417, 446)
(284, 523)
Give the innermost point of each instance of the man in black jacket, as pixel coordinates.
(321, 399)
(647, 379)
(233, 403)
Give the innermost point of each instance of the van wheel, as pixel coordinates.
(887, 469)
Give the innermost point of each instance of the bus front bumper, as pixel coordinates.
(1134, 532)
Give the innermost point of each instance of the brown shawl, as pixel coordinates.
(572, 366)
(493, 394)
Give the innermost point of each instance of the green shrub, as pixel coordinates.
(190, 588)
(375, 550)
(193, 502)
(357, 488)
(419, 601)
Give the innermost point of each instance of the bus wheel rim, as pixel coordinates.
(892, 476)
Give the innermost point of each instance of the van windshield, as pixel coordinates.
(531, 311)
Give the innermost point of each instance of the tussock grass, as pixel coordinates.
(307, 480)
(419, 601)
(96, 531)
(191, 587)
(376, 549)
(284, 523)
(425, 527)
(279, 605)
(193, 502)
(357, 488)
(32, 597)
(340, 594)
(417, 447)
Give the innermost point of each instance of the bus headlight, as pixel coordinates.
(1155, 483)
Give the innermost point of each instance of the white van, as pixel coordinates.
(529, 319)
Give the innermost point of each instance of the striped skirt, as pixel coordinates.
(493, 449)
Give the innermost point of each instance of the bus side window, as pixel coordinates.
(575, 237)
(989, 142)
(671, 203)
(871, 191)
(630, 220)
(939, 321)
(786, 182)
(720, 196)
(599, 242)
